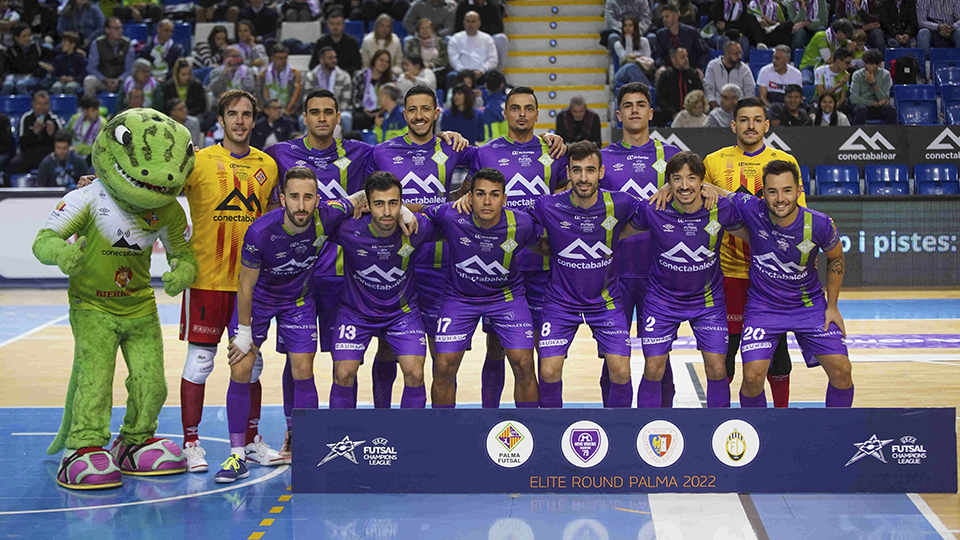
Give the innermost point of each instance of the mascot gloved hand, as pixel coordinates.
(143, 158)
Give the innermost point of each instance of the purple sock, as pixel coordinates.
(667, 388)
(839, 398)
(238, 411)
(414, 397)
(450, 406)
(305, 394)
(341, 397)
(648, 395)
(604, 384)
(758, 402)
(288, 394)
(551, 395)
(492, 377)
(621, 395)
(718, 393)
(384, 374)
(528, 404)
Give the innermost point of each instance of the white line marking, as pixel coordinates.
(931, 517)
(699, 515)
(35, 330)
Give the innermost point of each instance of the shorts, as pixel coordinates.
(403, 332)
(735, 291)
(634, 290)
(326, 297)
(535, 285)
(560, 326)
(429, 284)
(763, 331)
(204, 314)
(660, 324)
(296, 325)
(510, 321)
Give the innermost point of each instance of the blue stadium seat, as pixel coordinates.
(887, 179)
(440, 97)
(183, 34)
(368, 136)
(938, 188)
(809, 93)
(949, 56)
(935, 172)
(64, 105)
(946, 75)
(951, 113)
(837, 174)
(399, 30)
(892, 54)
(137, 31)
(703, 21)
(653, 97)
(917, 112)
(22, 180)
(110, 101)
(950, 93)
(761, 57)
(355, 29)
(915, 92)
(807, 180)
(797, 57)
(14, 105)
(838, 188)
(714, 53)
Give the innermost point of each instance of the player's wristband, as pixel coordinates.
(244, 338)
(406, 215)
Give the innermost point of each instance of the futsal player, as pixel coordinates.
(740, 168)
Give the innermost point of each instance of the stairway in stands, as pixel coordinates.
(555, 49)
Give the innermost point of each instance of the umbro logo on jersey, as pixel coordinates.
(248, 202)
(683, 254)
(579, 250)
(644, 192)
(475, 265)
(518, 186)
(332, 190)
(672, 139)
(377, 275)
(414, 185)
(771, 262)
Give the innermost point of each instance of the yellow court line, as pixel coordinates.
(276, 510)
(631, 511)
(255, 536)
(285, 498)
(266, 522)
(597, 52)
(558, 106)
(555, 18)
(525, 3)
(584, 88)
(554, 36)
(518, 71)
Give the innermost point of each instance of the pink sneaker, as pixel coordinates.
(154, 457)
(89, 468)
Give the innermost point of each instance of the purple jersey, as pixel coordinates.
(639, 171)
(783, 267)
(378, 270)
(583, 241)
(426, 172)
(686, 247)
(530, 172)
(340, 169)
(484, 260)
(286, 260)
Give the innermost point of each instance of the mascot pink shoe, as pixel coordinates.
(89, 468)
(155, 457)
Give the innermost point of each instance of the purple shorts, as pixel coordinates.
(535, 285)
(326, 296)
(634, 290)
(403, 332)
(659, 325)
(510, 321)
(560, 326)
(429, 284)
(762, 332)
(296, 325)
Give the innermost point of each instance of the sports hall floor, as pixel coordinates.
(905, 345)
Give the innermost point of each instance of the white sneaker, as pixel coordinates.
(194, 455)
(258, 452)
(286, 452)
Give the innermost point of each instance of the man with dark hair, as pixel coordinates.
(280, 81)
(870, 91)
(792, 111)
(348, 51)
(36, 134)
(62, 167)
(328, 75)
(822, 46)
(494, 123)
(834, 78)
(740, 168)
(578, 123)
(273, 127)
(674, 35)
(674, 83)
(110, 61)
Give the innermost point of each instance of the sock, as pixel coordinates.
(604, 384)
(649, 394)
(384, 374)
(492, 377)
(305, 394)
(780, 388)
(238, 411)
(288, 393)
(450, 406)
(191, 409)
(839, 398)
(414, 397)
(718, 394)
(341, 397)
(528, 404)
(253, 421)
(551, 395)
(758, 402)
(667, 388)
(237, 439)
(621, 395)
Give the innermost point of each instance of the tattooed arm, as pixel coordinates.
(834, 280)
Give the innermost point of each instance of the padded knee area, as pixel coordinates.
(257, 368)
(199, 363)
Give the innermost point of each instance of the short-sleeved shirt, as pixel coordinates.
(775, 83)
(826, 77)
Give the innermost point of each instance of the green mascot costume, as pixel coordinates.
(142, 158)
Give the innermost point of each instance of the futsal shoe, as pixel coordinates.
(286, 452)
(196, 463)
(231, 470)
(258, 452)
(155, 457)
(89, 468)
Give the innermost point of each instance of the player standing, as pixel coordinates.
(740, 168)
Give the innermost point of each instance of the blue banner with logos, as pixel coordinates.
(625, 451)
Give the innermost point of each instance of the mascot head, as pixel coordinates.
(143, 158)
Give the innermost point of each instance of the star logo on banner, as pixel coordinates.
(872, 447)
(345, 448)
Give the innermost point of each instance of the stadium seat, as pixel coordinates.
(809, 93)
(136, 31)
(951, 113)
(183, 34)
(917, 112)
(14, 105)
(838, 188)
(938, 188)
(714, 53)
(355, 29)
(703, 21)
(23, 180)
(807, 180)
(797, 57)
(110, 101)
(179, 7)
(946, 75)
(837, 174)
(368, 136)
(299, 62)
(915, 92)
(761, 57)
(307, 32)
(890, 55)
(950, 93)
(399, 30)
(949, 56)
(64, 105)
(887, 179)
(653, 97)
(935, 172)
(440, 98)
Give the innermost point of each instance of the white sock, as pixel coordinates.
(239, 452)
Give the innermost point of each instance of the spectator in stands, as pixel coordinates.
(131, 100)
(382, 37)
(808, 18)
(633, 51)
(494, 123)
(898, 20)
(390, 122)
(578, 123)
(722, 116)
(415, 73)
(345, 45)
(689, 13)
(265, 19)
(218, 10)
(328, 75)
(69, 66)
(441, 13)
(300, 11)
(82, 17)
(138, 10)
(472, 49)
(466, 77)
(772, 18)
(819, 51)
(273, 126)
(694, 113)
(792, 112)
(366, 85)
(428, 46)
(674, 84)
(26, 63)
(616, 11)
(8, 17)
(939, 22)
(178, 111)
(461, 116)
(733, 20)
(863, 15)
(182, 85)
(36, 134)
(827, 113)
(834, 78)
(209, 53)
(253, 52)
(86, 125)
(395, 9)
(859, 40)
(674, 35)
(162, 51)
(110, 60)
(232, 74)
(280, 81)
(491, 22)
(870, 91)
(350, 9)
(728, 69)
(62, 167)
(776, 76)
(142, 78)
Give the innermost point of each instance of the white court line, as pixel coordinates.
(678, 516)
(931, 517)
(35, 330)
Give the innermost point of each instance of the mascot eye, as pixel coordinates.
(190, 149)
(123, 136)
